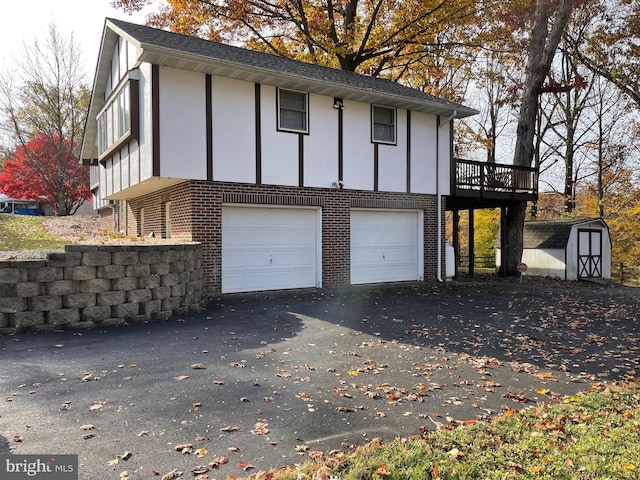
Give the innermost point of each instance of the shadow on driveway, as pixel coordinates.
(271, 380)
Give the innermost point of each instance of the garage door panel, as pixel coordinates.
(269, 249)
(385, 246)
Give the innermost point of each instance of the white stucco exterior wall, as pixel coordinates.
(146, 134)
(423, 152)
(444, 157)
(392, 159)
(183, 138)
(279, 149)
(321, 145)
(182, 124)
(358, 149)
(234, 138)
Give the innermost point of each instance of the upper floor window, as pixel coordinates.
(117, 122)
(383, 124)
(293, 111)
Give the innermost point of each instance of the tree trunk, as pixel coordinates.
(514, 223)
(543, 44)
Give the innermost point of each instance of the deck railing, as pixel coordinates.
(481, 178)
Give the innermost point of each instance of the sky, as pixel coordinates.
(21, 21)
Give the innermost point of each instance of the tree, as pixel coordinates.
(44, 100)
(608, 44)
(549, 22)
(493, 80)
(569, 122)
(35, 172)
(407, 40)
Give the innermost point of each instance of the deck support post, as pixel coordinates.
(472, 242)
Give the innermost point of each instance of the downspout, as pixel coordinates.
(439, 196)
(113, 215)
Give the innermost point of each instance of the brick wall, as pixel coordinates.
(90, 286)
(197, 216)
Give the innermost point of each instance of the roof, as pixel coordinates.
(552, 233)
(192, 53)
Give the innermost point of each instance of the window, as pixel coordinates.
(383, 124)
(292, 111)
(116, 122)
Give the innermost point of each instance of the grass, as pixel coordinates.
(595, 435)
(20, 232)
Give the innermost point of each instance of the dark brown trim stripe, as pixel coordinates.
(155, 119)
(376, 166)
(209, 125)
(340, 144)
(258, 136)
(301, 160)
(408, 151)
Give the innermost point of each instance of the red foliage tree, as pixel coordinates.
(46, 170)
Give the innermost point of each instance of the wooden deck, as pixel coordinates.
(487, 185)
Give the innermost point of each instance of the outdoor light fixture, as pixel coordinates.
(338, 103)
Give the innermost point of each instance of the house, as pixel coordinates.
(290, 175)
(576, 249)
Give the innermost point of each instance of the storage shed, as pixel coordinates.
(568, 249)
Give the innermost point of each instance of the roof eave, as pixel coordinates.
(88, 150)
(167, 57)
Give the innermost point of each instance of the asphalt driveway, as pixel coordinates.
(271, 380)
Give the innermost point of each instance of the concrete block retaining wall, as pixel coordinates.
(88, 286)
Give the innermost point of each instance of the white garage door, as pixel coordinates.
(386, 246)
(269, 248)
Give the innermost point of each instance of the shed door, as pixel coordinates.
(589, 253)
(386, 246)
(269, 248)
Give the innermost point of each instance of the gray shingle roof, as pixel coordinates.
(240, 57)
(546, 235)
(549, 234)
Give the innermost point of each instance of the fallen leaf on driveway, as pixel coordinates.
(200, 469)
(221, 460)
(184, 448)
(345, 409)
(97, 405)
(125, 456)
(516, 397)
(245, 466)
(198, 366)
(181, 377)
(229, 429)
(172, 474)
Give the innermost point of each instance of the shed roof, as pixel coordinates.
(551, 233)
(192, 53)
